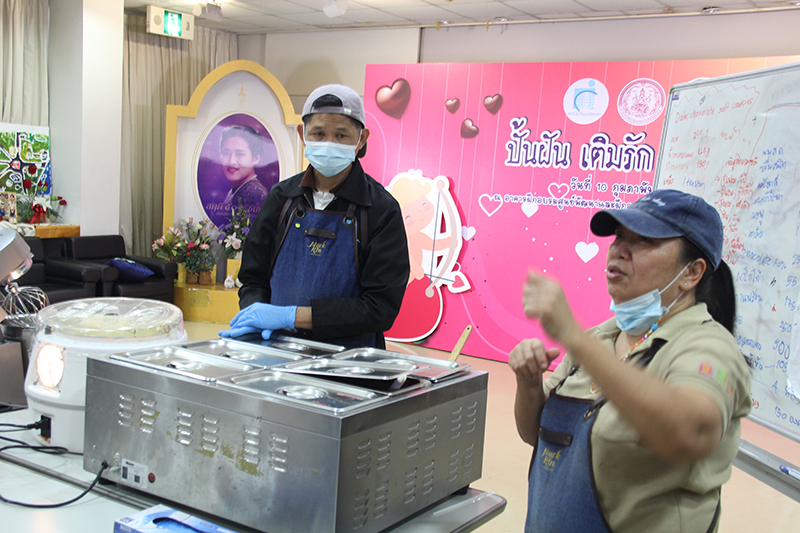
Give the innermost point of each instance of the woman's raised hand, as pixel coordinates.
(543, 299)
(529, 359)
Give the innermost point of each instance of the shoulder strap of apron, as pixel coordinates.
(714, 520)
(643, 361)
(281, 228)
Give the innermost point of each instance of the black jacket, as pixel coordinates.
(383, 263)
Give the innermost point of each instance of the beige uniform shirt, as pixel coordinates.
(639, 492)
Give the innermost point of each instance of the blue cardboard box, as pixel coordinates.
(161, 518)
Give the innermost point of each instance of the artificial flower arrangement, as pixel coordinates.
(171, 246)
(35, 205)
(199, 256)
(233, 234)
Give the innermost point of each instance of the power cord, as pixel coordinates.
(52, 450)
(103, 466)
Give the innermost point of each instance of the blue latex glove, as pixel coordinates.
(265, 318)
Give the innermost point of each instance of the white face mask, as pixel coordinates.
(330, 158)
(637, 315)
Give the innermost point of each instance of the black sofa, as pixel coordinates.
(59, 278)
(99, 249)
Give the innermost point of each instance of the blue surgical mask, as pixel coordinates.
(330, 158)
(637, 315)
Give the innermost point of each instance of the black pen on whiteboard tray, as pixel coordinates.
(791, 472)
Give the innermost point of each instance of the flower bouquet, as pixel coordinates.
(35, 205)
(232, 237)
(233, 234)
(199, 257)
(171, 246)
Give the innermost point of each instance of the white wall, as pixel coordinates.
(686, 37)
(85, 70)
(65, 70)
(304, 61)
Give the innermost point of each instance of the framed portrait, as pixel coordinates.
(230, 144)
(238, 165)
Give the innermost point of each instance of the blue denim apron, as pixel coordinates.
(562, 495)
(561, 490)
(318, 259)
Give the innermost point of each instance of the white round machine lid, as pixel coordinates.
(121, 318)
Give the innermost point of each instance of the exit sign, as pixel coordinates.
(170, 23)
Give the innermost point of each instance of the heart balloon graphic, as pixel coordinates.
(493, 103)
(586, 251)
(529, 208)
(467, 232)
(452, 104)
(393, 100)
(487, 203)
(558, 187)
(468, 129)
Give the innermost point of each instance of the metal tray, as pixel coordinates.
(176, 360)
(305, 391)
(426, 367)
(244, 352)
(376, 376)
(304, 347)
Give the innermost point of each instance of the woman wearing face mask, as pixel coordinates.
(326, 257)
(637, 428)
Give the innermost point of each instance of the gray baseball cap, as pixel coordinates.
(352, 106)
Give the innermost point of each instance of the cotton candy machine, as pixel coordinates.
(353, 440)
(66, 333)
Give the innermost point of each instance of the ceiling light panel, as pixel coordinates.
(426, 13)
(364, 16)
(623, 5)
(546, 7)
(483, 11)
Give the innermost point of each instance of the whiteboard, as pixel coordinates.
(735, 141)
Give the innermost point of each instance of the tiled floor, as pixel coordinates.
(748, 506)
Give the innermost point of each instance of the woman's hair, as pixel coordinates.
(715, 289)
(253, 139)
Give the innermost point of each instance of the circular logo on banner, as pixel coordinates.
(641, 102)
(585, 101)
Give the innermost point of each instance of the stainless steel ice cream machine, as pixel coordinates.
(287, 435)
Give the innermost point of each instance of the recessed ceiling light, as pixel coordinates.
(501, 19)
(444, 22)
(710, 9)
(794, 3)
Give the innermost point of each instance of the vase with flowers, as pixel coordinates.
(172, 247)
(199, 258)
(232, 236)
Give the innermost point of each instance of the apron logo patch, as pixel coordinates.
(316, 247)
(549, 458)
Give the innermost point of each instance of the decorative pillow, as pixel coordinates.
(129, 270)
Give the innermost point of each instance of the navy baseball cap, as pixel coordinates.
(667, 213)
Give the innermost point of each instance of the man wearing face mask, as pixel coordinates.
(326, 257)
(636, 429)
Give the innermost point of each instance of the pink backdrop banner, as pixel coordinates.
(531, 151)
